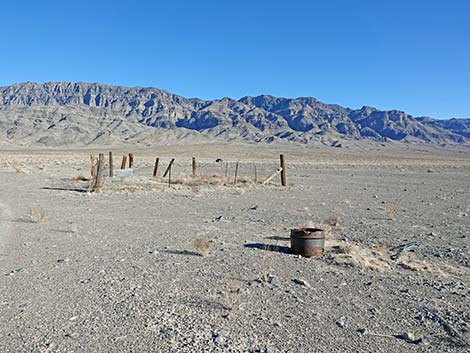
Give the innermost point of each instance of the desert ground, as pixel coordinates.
(203, 265)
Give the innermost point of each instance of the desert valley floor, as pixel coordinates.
(118, 271)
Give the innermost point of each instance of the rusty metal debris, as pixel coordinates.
(307, 242)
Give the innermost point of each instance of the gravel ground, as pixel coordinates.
(118, 271)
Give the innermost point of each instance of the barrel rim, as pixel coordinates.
(307, 232)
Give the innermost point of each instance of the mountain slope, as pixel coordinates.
(64, 113)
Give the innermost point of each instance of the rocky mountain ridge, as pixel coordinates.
(67, 113)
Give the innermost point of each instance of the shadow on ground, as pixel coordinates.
(269, 247)
(276, 237)
(64, 189)
(182, 252)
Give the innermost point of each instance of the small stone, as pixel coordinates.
(219, 340)
(423, 341)
(341, 322)
(226, 315)
(273, 280)
(363, 331)
(301, 282)
(408, 336)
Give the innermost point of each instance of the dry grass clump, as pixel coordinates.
(231, 294)
(202, 247)
(406, 262)
(211, 180)
(392, 211)
(378, 259)
(381, 248)
(78, 180)
(20, 170)
(96, 183)
(265, 264)
(37, 215)
(332, 221)
(349, 254)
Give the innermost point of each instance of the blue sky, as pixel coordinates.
(408, 55)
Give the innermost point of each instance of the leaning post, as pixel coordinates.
(169, 167)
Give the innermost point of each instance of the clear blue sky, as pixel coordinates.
(411, 55)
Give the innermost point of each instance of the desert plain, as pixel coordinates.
(204, 265)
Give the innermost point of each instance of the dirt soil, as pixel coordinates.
(122, 271)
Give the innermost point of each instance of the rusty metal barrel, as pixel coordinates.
(307, 242)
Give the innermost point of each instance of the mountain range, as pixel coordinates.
(80, 114)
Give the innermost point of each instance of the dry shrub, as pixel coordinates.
(406, 262)
(265, 265)
(231, 293)
(349, 254)
(200, 180)
(377, 259)
(332, 221)
(20, 170)
(202, 246)
(37, 215)
(77, 181)
(96, 183)
(80, 178)
(392, 211)
(381, 248)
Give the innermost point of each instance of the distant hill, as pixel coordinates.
(77, 114)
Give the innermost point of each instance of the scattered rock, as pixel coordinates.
(408, 336)
(363, 331)
(341, 322)
(301, 282)
(423, 341)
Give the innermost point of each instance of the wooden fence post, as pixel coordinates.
(111, 166)
(283, 170)
(169, 167)
(131, 160)
(236, 173)
(97, 181)
(194, 166)
(155, 169)
(256, 177)
(92, 161)
(124, 161)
